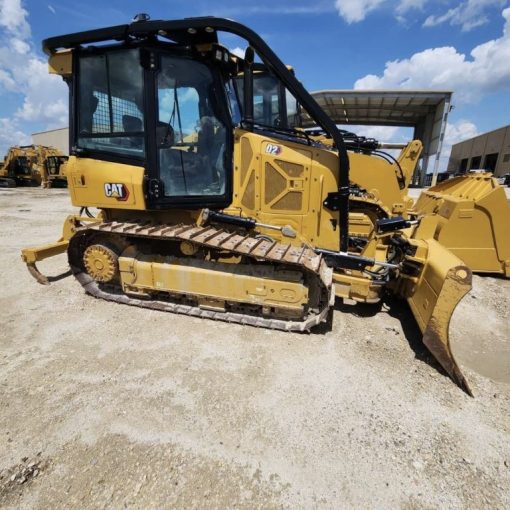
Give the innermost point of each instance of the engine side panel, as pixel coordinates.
(104, 184)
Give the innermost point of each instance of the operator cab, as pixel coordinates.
(172, 109)
(22, 166)
(53, 164)
(161, 107)
(162, 95)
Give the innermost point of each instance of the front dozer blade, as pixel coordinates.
(444, 281)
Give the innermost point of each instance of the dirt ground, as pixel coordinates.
(108, 406)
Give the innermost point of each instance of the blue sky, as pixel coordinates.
(459, 46)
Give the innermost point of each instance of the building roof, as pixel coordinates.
(381, 107)
(424, 110)
(50, 131)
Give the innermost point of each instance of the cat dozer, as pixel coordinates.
(33, 165)
(208, 209)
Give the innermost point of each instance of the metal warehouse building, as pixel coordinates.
(58, 138)
(426, 111)
(490, 151)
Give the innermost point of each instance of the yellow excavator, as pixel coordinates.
(53, 167)
(33, 165)
(214, 203)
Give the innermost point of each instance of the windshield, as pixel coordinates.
(190, 136)
(53, 164)
(21, 166)
(110, 99)
(273, 104)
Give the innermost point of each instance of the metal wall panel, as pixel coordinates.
(58, 138)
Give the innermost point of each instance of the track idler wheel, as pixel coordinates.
(101, 263)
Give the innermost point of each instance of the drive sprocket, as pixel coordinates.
(101, 263)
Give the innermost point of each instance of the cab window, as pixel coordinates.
(273, 104)
(190, 136)
(110, 103)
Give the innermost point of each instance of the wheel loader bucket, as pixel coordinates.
(444, 281)
(471, 216)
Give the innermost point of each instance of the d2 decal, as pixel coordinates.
(116, 190)
(273, 149)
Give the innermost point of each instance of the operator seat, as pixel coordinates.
(87, 111)
(131, 125)
(211, 148)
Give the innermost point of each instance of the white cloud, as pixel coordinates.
(354, 11)
(10, 134)
(238, 51)
(13, 18)
(20, 46)
(445, 68)
(468, 15)
(380, 133)
(405, 6)
(292, 7)
(455, 132)
(458, 132)
(45, 95)
(52, 9)
(24, 73)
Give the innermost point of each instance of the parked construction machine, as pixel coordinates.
(214, 203)
(468, 214)
(53, 168)
(16, 168)
(33, 165)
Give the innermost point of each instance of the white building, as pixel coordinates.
(58, 138)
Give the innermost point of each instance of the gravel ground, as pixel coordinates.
(109, 406)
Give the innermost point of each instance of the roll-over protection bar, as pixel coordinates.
(202, 30)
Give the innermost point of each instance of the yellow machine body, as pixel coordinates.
(284, 190)
(470, 215)
(90, 184)
(272, 256)
(214, 284)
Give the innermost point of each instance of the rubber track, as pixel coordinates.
(217, 239)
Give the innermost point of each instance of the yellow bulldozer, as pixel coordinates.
(214, 203)
(33, 165)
